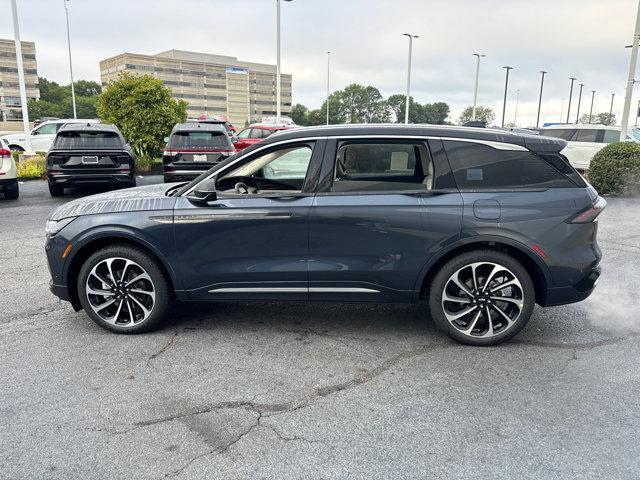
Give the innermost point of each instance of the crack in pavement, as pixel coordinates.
(574, 346)
(163, 349)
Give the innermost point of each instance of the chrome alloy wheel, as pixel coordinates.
(120, 292)
(482, 299)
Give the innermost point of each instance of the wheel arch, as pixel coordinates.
(535, 267)
(94, 243)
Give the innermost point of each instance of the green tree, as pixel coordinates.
(143, 109)
(435, 113)
(604, 119)
(87, 88)
(483, 114)
(299, 114)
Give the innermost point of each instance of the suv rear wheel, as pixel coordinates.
(56, 190)
(123, 290)
(482, 297)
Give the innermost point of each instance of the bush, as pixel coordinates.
(32, 167)
(144, 164)
(615, 170)
(16, 155)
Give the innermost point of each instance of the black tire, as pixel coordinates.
(150, 267)
(56, 190)
(12, 194)
(442, 281)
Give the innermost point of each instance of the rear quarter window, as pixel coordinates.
(81, 140)
(480, 167)
(563, 133)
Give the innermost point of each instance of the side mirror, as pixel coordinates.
(234, 139)
(204, 193)
(34, 132)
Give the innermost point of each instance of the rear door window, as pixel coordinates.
(379, 166)
(88, 140)
(480, 167)
(256, 133)
(586, 135)
(200, 140)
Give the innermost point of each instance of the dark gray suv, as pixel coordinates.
(478, 223)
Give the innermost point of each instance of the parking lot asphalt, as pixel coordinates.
(293, 390)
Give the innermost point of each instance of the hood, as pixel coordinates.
(16, 137)
(147, 198)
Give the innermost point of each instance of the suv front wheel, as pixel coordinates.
(123, 290)
(483, 297)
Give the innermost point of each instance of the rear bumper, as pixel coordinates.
(8, 184)
(181, 173)
(572, 294)
(92, 178)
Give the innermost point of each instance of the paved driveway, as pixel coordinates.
(281, 390)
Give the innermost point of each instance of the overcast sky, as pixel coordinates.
(580, 38)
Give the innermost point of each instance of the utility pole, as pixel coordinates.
(475, 91)
(328, 73)
(407, 105)
(579, 102)
(573, 79)
(23, 90)
(278, 65)
(506, 86)
(540, 99)
(73, 90)
(631, 79)
(593, 96)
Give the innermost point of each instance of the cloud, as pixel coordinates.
(582, 38)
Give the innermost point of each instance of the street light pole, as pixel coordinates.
(515, 116)
(573, 79)
(506, 86)
(406, 108)
(579, 102)
(593, 96)
(631, 79)
(278, 67)
(562, 109)
(540, 99)
(73, 91)
(475, 91)
(613, 95)
(23, 90)
(328, 73)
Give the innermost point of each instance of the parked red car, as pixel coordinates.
(256, 132)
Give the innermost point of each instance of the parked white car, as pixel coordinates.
(41, 136)
(8, 177)
(587, 140)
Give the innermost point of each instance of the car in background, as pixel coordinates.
(89, 154)
(40, 121)
(231, 130)
(8, 175)
(257, 132)
(479, 224)
(193, 148)
(584, 141)
(41, 136)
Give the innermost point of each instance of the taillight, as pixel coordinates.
(55, 160)
(4, 152)
(591, 213)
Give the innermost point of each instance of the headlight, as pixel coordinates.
(52, 227)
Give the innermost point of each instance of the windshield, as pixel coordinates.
(99, 140)
(635, 133)
(200, 140)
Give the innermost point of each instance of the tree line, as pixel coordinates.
(55, 100)
(359, 104)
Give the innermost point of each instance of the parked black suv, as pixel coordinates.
(193, 148)
(89, 154)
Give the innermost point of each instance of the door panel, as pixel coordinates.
(373, 247)
(239, 247)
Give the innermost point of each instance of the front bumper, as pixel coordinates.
(572, 294)
(59, 291)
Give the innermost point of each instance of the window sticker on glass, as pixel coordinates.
(474, 174)
(399, 161)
